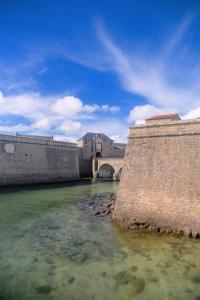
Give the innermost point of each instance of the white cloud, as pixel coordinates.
(90, 108)
(101, 108)
(37, 107)
(168, 77)
(193, 114)
(139, 113)
(26, 105)
(49, 115)
(69, 127)
(42, 124)
(119, 138)
(68, 106)
(13, 129)
(114, 109)
(63, 138)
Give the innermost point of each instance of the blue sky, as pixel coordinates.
(67, 67)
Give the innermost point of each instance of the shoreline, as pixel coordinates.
(102, 205)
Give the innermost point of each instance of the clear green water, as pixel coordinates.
(50, 249)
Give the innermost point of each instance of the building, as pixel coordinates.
(93, 145)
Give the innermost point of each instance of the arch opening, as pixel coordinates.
(98, 154)
(106, 171)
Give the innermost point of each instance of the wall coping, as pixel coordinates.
(110, 157)
(37, 141)
(170, 123)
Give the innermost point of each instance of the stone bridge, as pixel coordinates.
(107, 167)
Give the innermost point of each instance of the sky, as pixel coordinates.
(68, 67)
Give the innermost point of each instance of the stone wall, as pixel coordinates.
(85, 168)
(117, 152)
(160, 184)
(32, 160)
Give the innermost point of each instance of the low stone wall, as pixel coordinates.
(160, 185)
(34, 160)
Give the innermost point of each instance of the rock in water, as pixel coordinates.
(100, 204)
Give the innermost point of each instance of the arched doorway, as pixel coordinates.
(106, 171)
(98, 154)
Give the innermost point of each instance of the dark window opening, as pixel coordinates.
(98, 154)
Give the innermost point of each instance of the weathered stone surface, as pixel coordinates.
(99, 204)
(34, 160)
(160, 185)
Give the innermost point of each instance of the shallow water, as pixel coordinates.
(50, 249)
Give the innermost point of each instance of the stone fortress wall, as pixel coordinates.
(35, 160)
(160, 183)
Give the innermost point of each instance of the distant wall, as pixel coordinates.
(160, 185)
(85, 168)
(32, 160)
(117, 152)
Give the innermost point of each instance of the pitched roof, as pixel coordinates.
(168, 116)
(92, 135)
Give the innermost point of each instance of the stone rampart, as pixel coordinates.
(160, 185)
(34, 160)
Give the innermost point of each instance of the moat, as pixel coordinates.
(52, 249)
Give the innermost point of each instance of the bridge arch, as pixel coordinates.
(107, 167)
(106, 171)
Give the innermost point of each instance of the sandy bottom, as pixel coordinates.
(50, 249)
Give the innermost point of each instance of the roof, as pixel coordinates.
(92, 135)
(168, 116)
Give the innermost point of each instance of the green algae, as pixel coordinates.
(50, 249)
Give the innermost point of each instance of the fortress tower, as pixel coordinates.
(160, 182)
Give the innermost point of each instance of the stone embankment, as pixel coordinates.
(102, 205)
(145, 226)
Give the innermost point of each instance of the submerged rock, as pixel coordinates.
(43, 289)
(78, 256)
(99, 204)
(71, 279)
(135, 285)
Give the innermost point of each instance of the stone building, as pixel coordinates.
(94, 146)
(160, 183)
(99, 145)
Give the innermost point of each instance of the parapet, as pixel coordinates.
(175, 127)
(35, 140)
